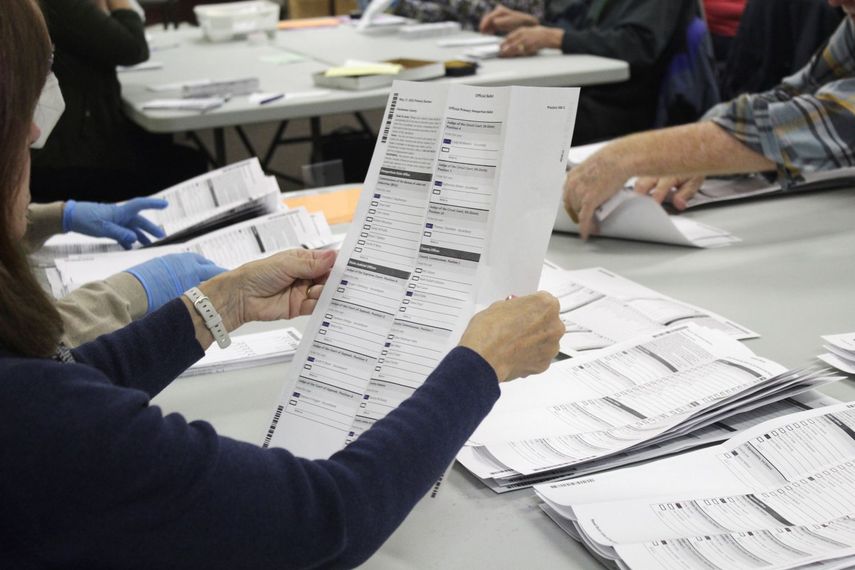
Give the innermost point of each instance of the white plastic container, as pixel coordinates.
(222, 22)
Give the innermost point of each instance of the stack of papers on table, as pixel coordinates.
(779, 495)
(588, 414)
(64, 245)
(213, 200)
(715, 190)
(228, 247)
(600, 308)
(841, 351)
(229, 194)
(248, 350)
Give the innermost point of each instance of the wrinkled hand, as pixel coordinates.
(120, 222)
(587, 186)
(502, 20)
(282, 286)
(165, 278)
(675, 189)
(517, 337)
(530, 40)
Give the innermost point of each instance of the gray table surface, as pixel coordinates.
(196, 58)
(791, 280)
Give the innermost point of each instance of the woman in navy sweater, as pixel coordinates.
(93, 476)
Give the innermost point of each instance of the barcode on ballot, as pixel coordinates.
(389, 117)
(273, 423)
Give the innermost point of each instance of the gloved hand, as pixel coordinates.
(165, 278)
(120, 222)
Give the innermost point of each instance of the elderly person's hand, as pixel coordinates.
(502, 20)
(530, 40)
(282, 286)
(121, 222)
(590, 184)
(517, 337)
(675, 189)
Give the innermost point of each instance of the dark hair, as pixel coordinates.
(29, 323)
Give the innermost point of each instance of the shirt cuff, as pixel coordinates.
(129, 288)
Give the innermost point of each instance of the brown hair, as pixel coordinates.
(29, 323)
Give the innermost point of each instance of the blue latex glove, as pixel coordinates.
(119, 222)
(165, 278)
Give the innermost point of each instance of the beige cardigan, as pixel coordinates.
(96, 308)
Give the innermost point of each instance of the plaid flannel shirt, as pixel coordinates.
(807, 123)
(467, 12)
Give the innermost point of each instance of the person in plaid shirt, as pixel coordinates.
(805, 124)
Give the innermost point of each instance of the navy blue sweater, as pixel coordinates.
(92, 476)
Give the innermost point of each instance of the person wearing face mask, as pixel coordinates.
(95, 476)
(95, 153)
(805, 124)
(103, 306)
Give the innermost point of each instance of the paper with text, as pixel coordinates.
(454, 214)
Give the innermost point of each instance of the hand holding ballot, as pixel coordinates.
(672, 154)
(121, 222)
(517, 337)
(282, 286)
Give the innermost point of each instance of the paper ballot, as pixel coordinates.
(582, 413)
(228, 247)
(217, 196)
(779, 495)
(840, 351)
(600, 308)
(248, 350)
(633, 216)
(628, 215)
(455, 213)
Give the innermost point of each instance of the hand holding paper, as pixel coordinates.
(282, 286)
(518, 336)
(589, 185)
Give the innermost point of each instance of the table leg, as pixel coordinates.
(220, 146)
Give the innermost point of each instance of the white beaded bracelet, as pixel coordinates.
(209, 314)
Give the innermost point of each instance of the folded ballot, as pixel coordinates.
(228, 247)
(247, 351)
(778, 495)
(716, 190)
(212, 200)
(840, 351)
(586, 414)
(600, 308)
(633, 216)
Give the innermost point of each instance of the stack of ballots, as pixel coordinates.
(229, 247)
(840, 351)
(247, 351)
(196, 207)
(780, 495)
(212, 200)
(638, 399)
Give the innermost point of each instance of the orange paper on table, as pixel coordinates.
(307, 23)
(338, 206)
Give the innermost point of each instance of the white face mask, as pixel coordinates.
(48, 110)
